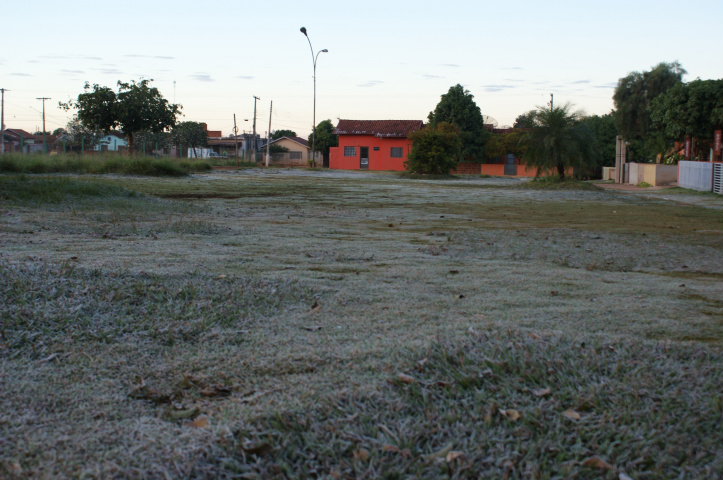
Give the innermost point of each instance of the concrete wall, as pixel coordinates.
(696, 175)
(608, 173)
(652, 173)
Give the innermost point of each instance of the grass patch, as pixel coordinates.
(427, 176)
(644, 185)
(103, 164)
(554, 182)
(39, 303)
(688, 191)
(502, 405)
(42, 190)
(256, 329)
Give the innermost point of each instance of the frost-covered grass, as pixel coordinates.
(268, 324)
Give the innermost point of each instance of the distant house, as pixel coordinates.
(297, 154)
(111, 142)
(18, 140)
(372, 144)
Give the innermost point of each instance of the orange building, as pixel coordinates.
(372, 144)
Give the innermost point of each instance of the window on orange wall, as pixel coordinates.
(350, 151)
(397, 152)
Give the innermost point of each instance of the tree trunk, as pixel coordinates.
(561, 171)
(130, 143)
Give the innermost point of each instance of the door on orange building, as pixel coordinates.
(510, 165)
(364, 158)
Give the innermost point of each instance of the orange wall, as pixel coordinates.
(378, 160)
(498, 170)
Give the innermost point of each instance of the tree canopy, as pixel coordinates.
(633, 99)
(325, 138)
(501, 144)
(137, 107)
(282, 133)
(560, 140)
(80, 135)
(603, 127)
(694, 109)
(191, 134)
(457, 107)
(525, 120)
(434, 149)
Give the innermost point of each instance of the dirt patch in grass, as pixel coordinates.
(214, 337)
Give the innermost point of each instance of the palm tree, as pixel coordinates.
(559, 140)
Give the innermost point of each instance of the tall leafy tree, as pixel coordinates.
(457, 107)
(136, 107)
(560, 140)
(81, 136)
(325, 139)
(282, 133)
(603, 126)
(694, 109)
(434, 149)
(633, 99)
(143, 108)
(190, 134)
(525, 120)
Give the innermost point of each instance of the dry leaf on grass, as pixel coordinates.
(513, 415)
(439, 454)
(452, 456)
(200, 422)
(216, 391)
(571, 414)
(597, 462)
(541, 392)
(362, 454)
(258, 449)
(405, 378)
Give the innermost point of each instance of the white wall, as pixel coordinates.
(695, 175)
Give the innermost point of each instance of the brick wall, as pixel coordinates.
(467, 169)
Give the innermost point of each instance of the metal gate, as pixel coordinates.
(510, 167)
(718, 178)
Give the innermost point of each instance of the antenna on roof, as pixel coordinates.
(487, 120)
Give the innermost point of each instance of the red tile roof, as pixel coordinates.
(378, 128)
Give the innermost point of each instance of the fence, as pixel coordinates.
(695, 175)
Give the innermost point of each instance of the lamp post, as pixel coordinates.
(314, 58)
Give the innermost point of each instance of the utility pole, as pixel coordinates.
(254, 137)
(45, 145)
(235, 138)
(268, 137)
(2, 119)
(551, 103)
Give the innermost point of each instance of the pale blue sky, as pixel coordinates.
(386, 60)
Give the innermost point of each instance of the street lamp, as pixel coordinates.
(314, 58)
